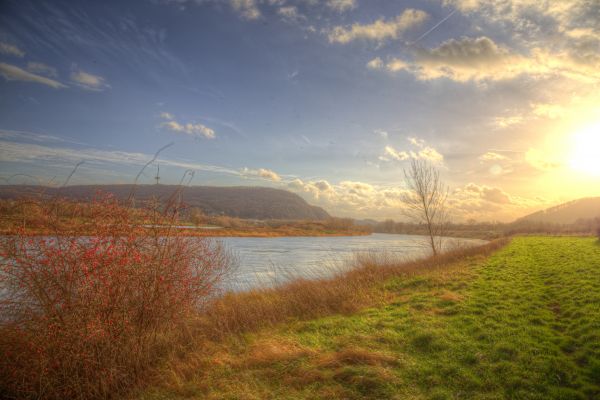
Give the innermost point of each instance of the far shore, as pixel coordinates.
(218, 232)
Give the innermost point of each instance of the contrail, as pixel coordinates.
(433, 28)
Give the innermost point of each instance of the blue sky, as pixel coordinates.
(329, 99)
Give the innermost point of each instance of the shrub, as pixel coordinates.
(83, 317)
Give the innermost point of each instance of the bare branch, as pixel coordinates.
(425, 202)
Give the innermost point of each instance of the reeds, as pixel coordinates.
(302, 299)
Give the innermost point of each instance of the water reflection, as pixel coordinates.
(271, 261)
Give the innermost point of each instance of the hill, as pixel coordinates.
(235, 201)
(567, 213)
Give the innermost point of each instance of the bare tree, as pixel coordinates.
(425, 202)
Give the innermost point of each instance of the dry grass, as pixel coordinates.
(302, 299)
(83, 318)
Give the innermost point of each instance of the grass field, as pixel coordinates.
(523, 324)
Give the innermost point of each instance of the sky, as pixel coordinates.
(330, 99)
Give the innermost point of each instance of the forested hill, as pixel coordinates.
(567, 213)
(234, 201)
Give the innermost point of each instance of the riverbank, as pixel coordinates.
(519, 323)
(217, 233)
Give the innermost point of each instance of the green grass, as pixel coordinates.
(522, 324)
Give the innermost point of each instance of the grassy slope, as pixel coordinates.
(522, 324)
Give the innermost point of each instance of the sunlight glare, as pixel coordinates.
(586, 150)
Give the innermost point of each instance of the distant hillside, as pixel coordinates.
(567, 213)
(237, 201)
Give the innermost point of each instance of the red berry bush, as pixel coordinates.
(86, 316)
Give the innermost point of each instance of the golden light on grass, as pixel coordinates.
(585, 156)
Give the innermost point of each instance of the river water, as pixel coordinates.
(272, 261)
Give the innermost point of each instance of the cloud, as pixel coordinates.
(553, 38)
(44, 151)
(540, 160)
(461, 60)
(552, 111)
(491, 156)
(362, 199)
(422, 152)
(248, 9)
(263, 173)
(382, 133)
(481, 59)
(14, 73)
(290, 13)
(488, 203)
(379, 30)
(376, 63)
(89, 81)
(42, 69)
(430, 154)
(491, 194)
(341, 5)
(507, 121)
(11, 50)
(195, 130)
(319, 190)
(462, 5)
(394, 154)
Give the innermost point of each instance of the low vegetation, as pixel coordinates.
(26, 216)
(86, 317)
(492, 230)
(523, 323)
(232, 226)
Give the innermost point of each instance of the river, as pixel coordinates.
(272, 261)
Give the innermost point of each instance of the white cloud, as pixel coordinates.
(547, 39)
(379, 30)
(376, 63)
(389, 151)
(507, 121)
(481, 59)
(290, 13)
(14, 73)
(248, 9)
(11, 50)
(492, 156)
(263, 173)
(462, 5)
(430, 154)
(38, 154)
(382, 133)
(89, 81)
(341, 5)
(362, 199)
(42, 69)
(462, 60)
(540, 160)
(552, 111)
(422, 152)
(491, 194)
(195, 130)
(488, 203)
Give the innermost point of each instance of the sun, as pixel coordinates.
(586, 150)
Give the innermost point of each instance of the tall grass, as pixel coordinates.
(84, 317)
(361, 286)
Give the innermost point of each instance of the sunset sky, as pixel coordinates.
(327, 98)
